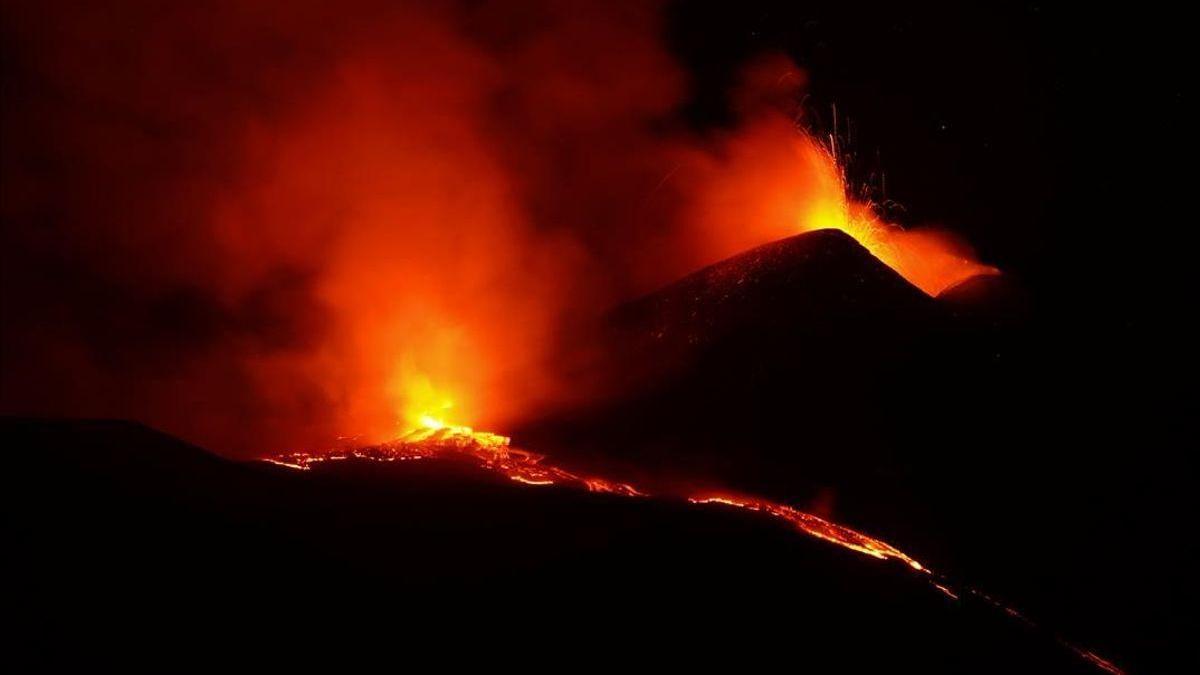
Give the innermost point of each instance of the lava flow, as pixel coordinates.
(434, 439)
(490, 451)
(493, 452)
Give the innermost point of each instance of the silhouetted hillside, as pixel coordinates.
(126, 543)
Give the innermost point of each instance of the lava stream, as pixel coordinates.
(490, 451)
(494, 452)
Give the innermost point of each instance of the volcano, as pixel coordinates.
(765, 369)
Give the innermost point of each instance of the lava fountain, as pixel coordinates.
(769, 180)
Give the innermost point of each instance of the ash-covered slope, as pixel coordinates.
(128, 546)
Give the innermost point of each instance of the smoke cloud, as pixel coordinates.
(265, 225)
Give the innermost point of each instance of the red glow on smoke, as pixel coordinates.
(264, 229)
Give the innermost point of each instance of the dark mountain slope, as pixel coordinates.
(962, 429)
(762, 371)
(128, 546)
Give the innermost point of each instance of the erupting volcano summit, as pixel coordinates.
(545, 332)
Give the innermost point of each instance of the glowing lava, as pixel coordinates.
(493, 452)
(817, 527)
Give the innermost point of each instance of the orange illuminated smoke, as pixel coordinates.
(929, 259)
(769, 181)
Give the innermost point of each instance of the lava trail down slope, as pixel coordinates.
(410, 558)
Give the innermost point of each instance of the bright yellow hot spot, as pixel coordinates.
(431, 422)
(421, 406)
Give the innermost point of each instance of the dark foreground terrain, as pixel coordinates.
(128, 546)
